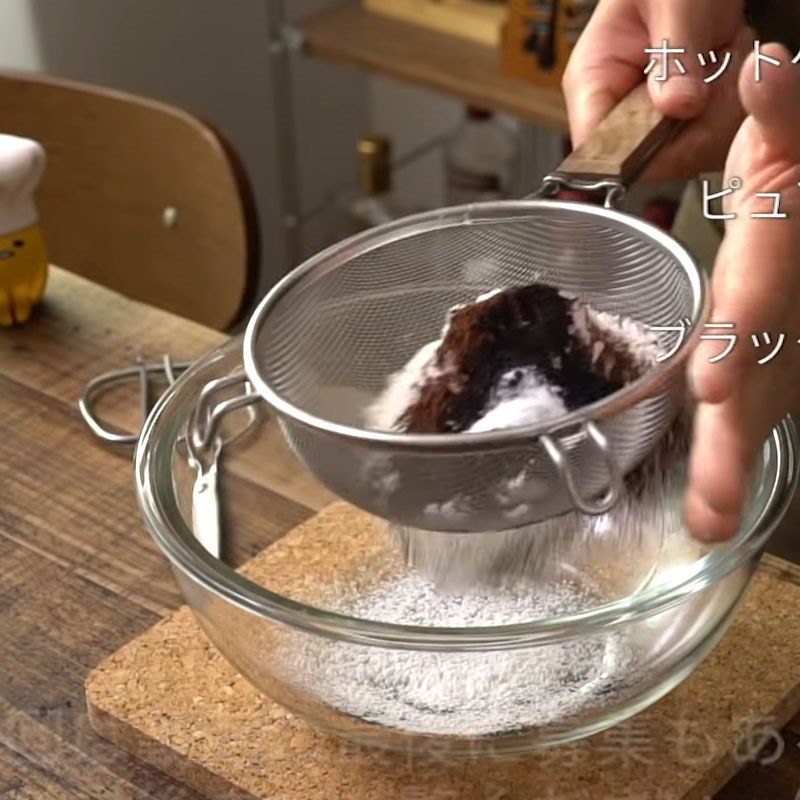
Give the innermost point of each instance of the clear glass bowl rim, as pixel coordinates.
(159, 507)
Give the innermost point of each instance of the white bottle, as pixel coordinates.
(479, 159)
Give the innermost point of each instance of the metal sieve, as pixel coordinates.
(322, 344)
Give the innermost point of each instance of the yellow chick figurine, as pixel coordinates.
(23, 257)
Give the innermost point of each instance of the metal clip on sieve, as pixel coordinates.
(612, 188)
(205, 442)
(560, 460)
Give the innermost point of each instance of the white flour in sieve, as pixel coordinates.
(465, 694)
(521, 396)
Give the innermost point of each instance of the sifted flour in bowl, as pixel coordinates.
(466, 694)
(495, 692)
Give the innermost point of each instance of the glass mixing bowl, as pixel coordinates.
(336, 627)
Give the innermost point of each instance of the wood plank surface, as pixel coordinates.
(349, 34)
(79, 575)
(82, 330)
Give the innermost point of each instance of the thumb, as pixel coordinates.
(774, 101)
(682, 25)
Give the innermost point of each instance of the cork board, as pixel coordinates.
(171, 699)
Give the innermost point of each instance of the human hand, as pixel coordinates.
(609, 60)
(756, 286)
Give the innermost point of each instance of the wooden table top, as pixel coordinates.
(79, 575)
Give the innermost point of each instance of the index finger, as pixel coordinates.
(607, 63)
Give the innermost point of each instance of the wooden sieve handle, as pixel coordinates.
(624, 142)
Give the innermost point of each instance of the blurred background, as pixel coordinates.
(296, 119)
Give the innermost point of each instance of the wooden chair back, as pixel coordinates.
(138, 196)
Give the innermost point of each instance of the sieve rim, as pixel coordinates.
(474, 213)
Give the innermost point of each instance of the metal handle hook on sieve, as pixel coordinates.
(555, 182)
(204, 424)
(618, 152)
(559, 458)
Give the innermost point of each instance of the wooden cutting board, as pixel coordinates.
(171, 699)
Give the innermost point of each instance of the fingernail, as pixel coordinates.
(686, 91)
(705, 523)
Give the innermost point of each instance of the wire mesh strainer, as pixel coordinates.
(324, 341)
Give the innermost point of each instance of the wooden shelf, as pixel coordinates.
(348, 34)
